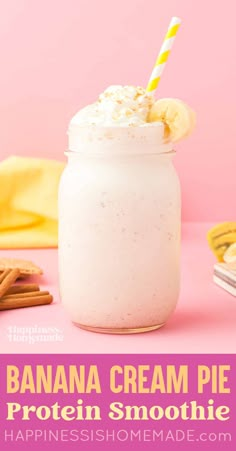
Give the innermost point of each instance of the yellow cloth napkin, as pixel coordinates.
(28, 202)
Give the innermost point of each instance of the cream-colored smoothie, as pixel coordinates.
(119, 217)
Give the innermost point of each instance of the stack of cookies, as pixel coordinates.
(222, 241)
(18, 295)
(225, 276)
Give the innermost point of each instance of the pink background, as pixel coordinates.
(56, 56)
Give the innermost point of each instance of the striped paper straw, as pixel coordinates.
(163, 55)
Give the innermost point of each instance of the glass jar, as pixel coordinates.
(119, 229)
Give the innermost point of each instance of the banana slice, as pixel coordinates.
(230, 254)
(178, 117)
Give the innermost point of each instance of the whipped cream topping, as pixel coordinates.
(117, 106)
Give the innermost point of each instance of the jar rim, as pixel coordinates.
(100, 154)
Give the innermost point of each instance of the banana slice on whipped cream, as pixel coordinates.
(177, 116)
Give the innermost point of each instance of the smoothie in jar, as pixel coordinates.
(119, 212)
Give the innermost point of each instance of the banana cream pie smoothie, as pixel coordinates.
(119, 207)
(119, 212)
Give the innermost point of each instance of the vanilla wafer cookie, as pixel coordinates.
(26, 267)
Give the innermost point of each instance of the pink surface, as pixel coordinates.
(204, 321)
(56, 56)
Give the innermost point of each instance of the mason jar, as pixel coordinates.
(119, 229)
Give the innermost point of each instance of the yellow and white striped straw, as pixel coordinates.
(163, 55)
